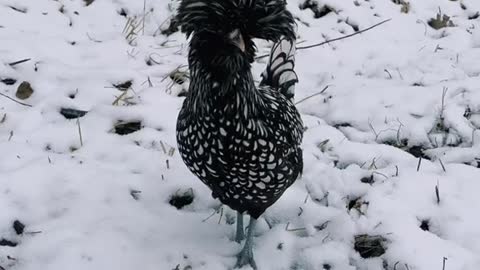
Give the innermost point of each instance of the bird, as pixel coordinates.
(240, 138)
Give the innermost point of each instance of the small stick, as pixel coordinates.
(301, 211)
(34, 232)
(400, 74)
(443, 166)
(144, 16)
(344, 37)
(333, 40)
(214, 212)
(80, 132)
(296, 230)
(444, 260)
(437, 192)
(419, 163)
(19, 62)
(314, 95)
(221, 215)
(21, 103)
(92, 39)
(163, 147)
(389, 74)
(379, 173)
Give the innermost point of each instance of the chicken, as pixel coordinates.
(242, 140)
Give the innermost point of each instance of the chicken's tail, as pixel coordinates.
(280, 71)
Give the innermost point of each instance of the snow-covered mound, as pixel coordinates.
(90, 177)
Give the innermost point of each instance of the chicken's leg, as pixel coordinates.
(246, 255)
(240, 231)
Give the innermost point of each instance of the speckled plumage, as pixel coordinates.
(241, 140)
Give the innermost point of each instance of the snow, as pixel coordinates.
(396, 87)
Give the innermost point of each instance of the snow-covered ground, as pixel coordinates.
(93, 199)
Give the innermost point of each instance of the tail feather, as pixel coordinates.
(280, 71)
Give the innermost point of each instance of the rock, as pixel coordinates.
(135, 194)
(24, 90)
(370, 246)
(18, 227)
(72, 113)
(7, 243)
(318, 12)
(182, 198)
(425, 225)
(9, 81)
(124, 86)
(368, 180)
(124, 128)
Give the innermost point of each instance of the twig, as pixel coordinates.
(444, 93)
(443, 166)
(92, 39)
(398, 132)
(33, 233)
(214, 212)
(374, 131)
(425, 25)
(21, 103)
(400, 74)
(437, 192)
(444, 260)
(80, 132)
(344, 37)
(19, 62)
(314, 95)
(296, 229)
(379, 173)
(221, 215)
(389, 74)
(120, 97)
(332, 40)
(144, 16)
(419, 163)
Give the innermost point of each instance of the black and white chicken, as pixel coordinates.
(242, 140)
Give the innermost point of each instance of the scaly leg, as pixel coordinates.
(240, 231)
(246, 255)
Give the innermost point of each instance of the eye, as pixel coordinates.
(234, 35)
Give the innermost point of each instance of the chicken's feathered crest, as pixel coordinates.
(263, 19)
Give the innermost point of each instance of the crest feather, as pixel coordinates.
(264, 19)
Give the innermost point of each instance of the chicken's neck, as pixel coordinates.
(208, 91)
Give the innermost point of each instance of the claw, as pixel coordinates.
(246, 255)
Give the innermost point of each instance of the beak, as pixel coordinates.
(237, 39)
